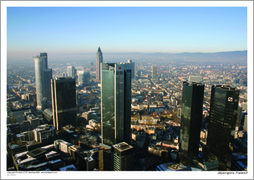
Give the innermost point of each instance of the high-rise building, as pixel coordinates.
(139, 74)
(71, 71)
(154, 73)
(43, 75)
(191, 118)
(123, 157)
(131, 65)
(115, 103)
(64, 102)
(221, 128)
(99, 60)
(47, 76)
(83, 77)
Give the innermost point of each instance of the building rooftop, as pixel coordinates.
(70, 167)
(123, 146)
(36, 152)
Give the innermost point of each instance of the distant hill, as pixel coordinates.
(238, 57)
(223, 57)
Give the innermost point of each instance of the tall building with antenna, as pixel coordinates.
(99, 60)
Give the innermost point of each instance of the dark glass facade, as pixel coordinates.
(191, 118)
(115, 103)
(221, 129)
(107, 105)
(64, 102)
(47, 76)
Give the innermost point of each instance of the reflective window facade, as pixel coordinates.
(115, 103)
(191, 118)
(64, 102)
(43, 75)
(47, 76)
(71, 71)
(221, 129)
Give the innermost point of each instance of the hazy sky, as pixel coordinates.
(125, 29)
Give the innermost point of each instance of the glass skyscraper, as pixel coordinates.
(83, 77)
(115, 103)
(191, 118)
(64, 102)
(221, 128)
(43, 75)
(71, 71)
(154, 73)
(132, 66)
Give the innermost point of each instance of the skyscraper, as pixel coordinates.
(115, 103)
(47, 76)
(99, 60)
(191, 118)
(123, 157)
(71, 71)
(154, 73)
(64, 102)
(221, 128)
(43, 75)
(83, 77)
(131, 65)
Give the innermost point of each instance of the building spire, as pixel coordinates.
(99, 49)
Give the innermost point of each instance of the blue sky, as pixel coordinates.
(125, 29)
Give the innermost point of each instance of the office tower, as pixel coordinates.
(139, 74)
(92, 66)
(71, 71)
(99, 60)
(154, 73)
(221, 128)
(43, 75)
(83, 77)
(115, 103)
(123, 157)
(131, 65)
(64, 102)
(191, 118)
(47, 76)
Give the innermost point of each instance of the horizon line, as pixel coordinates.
(151, 52)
